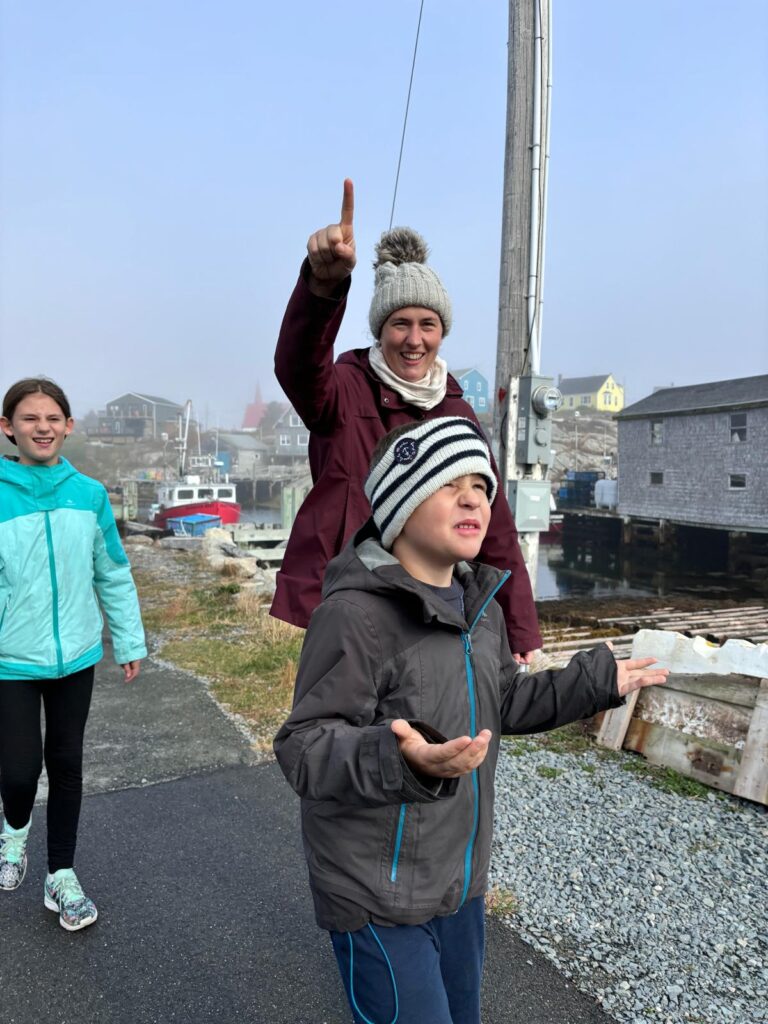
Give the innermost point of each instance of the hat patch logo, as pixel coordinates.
(406, 451)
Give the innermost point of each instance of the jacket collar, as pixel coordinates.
(365, 565)
(385, 395)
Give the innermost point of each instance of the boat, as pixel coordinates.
(192, 496)
(201, 493)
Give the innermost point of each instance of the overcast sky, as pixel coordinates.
(163, 161)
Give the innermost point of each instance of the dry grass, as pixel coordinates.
(500, 902)
(225, 634)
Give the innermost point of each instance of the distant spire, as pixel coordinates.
(254, 411)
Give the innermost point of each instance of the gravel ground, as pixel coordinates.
(654, 903)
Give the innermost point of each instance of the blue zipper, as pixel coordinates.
(467, 641)
(398, 842)
(54, 596)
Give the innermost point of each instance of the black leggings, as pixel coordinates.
(67, 702)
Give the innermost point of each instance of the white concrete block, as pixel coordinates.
(696, 656)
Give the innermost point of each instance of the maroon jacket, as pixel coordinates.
(347, 409)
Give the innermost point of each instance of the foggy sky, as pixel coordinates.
(161, 166)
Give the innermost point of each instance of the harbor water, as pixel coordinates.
(595, 572)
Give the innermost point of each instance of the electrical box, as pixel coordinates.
(537, 399)
(529, 501)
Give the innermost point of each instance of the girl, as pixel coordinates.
(59, 552)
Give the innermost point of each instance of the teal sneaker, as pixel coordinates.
(13, 858)
(64, 894)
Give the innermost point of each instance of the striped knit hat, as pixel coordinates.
(418, 463)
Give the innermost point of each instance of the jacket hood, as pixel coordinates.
(364, 565)
(37, 481)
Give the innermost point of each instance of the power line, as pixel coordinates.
(405, 119)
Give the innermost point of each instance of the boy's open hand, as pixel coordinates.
(632, 674)
(442, 760)
(331, 250)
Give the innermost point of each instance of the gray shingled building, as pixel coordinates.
(697, 455)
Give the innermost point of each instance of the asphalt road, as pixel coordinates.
(191, 850)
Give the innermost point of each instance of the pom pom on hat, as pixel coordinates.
(403, 279)
(400, 245)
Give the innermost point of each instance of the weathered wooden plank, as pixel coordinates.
(615, 723)
(739, 690)
(590, 641)
(697, 616)
(752, 779)
(657, 611)
(708, 626)
(694, 715)
(678, 613)
(711, 763)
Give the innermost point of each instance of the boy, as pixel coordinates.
(407, 650)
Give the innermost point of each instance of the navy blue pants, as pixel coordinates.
(415, 974)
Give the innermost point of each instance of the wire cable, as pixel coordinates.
(405, 119)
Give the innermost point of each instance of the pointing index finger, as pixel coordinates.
(348, 204)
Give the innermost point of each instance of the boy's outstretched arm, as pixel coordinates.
(592, 681)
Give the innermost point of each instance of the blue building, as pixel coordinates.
(476, 389)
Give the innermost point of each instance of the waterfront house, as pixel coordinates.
(600, 393)
(138, 415)
(476, 390)
(247, 455)
(697, 455)
(291, 439)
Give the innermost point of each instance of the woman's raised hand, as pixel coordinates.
(331, 250)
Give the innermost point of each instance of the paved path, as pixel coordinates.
(191, 850)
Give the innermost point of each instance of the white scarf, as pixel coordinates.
(425, 393)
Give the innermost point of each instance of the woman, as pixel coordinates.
(349, 405)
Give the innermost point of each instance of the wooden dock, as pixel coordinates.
(749, 622)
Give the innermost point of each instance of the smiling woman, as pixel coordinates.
(350, 404)
(409, 342)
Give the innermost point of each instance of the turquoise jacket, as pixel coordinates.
(60, 558)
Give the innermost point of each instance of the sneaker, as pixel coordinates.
(64, 894)
(13, 859)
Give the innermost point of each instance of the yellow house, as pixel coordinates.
(593, 394)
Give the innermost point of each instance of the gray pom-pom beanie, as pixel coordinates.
(403, 279)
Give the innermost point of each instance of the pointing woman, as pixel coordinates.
(349, 404)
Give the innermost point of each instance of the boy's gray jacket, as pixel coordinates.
(379, 647)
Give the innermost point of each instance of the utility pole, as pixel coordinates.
(522, 406)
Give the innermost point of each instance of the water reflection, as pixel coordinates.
(581, 575)
(597, 570)
(601, 568)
